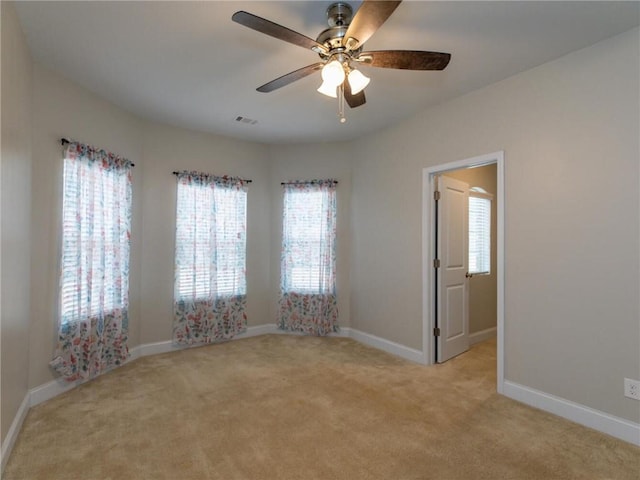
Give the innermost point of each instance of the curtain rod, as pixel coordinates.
(304, 183)
(64, 141)
(243, 179)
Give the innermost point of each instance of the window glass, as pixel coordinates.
(479, 234)
(308, 260)
(95, 243)
(210, 241)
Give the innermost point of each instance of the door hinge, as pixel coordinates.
(436, 332)
(436, 263)
(436, 195)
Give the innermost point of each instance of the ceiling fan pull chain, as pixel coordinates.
(341, 103)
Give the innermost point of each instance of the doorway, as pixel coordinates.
(434, 270)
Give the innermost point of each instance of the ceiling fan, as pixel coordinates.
(340, 50)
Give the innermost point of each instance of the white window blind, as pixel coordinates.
(479, 234)
(210, 241)
(308, 240)
(230, 241)
(95, 241)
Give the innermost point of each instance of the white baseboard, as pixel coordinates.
(12, 434)
(342, 332)
(371, 340)
(52, 389)
(258, 330)
(589, 417)
(388, 346)
(156, 348)
(482, 335)
(48, 390)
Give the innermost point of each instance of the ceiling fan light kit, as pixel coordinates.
(328, 89)
(340, 49)
(358, 81)
(333, 73)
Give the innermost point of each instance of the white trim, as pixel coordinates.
(271, 328)
(167, 346)
(342, 332)
(49, 390)
(155, 348)
(502, 200)
(474, 193)
(428, 277)
(12, 434)
(134, 353)
(388, 346)
(589, 417)
(257, 330)
(371, 340)
(482, 335)
(428, 253)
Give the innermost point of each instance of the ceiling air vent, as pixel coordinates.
(248, 121)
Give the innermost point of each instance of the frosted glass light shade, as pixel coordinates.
(357, 81)
(333, 73)
(328, 89)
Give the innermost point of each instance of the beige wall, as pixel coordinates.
(307, 162)
(63, 109)
(15, 175)
(483, 289)
(167, 149)
(569, 129)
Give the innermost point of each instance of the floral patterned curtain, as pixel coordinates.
(210, 280)
(94, 281)
(308, 283)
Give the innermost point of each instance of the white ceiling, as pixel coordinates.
(187, 64)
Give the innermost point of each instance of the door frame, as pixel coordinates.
(428, 254)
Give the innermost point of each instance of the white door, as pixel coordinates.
(452, 283)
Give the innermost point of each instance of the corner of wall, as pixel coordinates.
(15, 176)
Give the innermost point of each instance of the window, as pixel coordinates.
(308, 301)
(479, 231)
(210, 238)
(94, 266)
(308, 261)
(95, 237)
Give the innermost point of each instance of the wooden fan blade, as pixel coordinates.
(290, 78)
(406, 59)
(369, 17)
(277, 31)
(353, 100)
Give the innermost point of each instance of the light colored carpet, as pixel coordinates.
(292, 407)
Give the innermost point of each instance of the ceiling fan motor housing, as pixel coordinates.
(339, 14)
(332, 37)
(339, 17)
